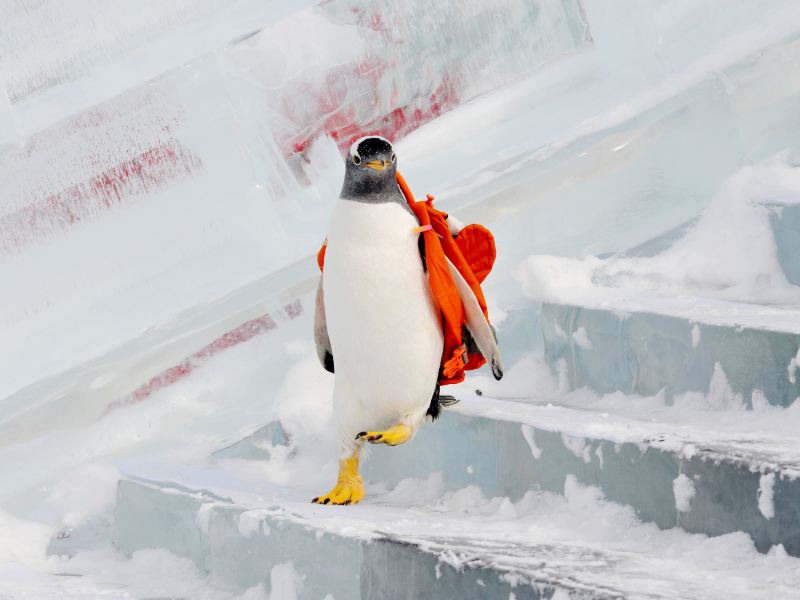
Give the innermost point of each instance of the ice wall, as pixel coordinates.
(167, 151)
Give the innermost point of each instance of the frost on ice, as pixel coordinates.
(766, 488)
(581, 338)
(527, 433)
(683, 489)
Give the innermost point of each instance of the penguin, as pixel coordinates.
(377, 326)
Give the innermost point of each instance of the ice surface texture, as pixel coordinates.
(786, 227)
(217, 153)
(236, 529)
(645, 353)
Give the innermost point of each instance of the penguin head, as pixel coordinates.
(370, 169)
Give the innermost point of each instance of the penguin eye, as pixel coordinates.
(356, 159)
(394, 157)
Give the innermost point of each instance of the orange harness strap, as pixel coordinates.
(439, 247)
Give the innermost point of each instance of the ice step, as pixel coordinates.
(785, 221)
(746, 355)
(735, 477)
(390, 551)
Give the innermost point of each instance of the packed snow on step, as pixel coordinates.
(728, 254)
(715, 420)
(463, 527)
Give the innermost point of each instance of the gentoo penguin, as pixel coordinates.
(377, 326)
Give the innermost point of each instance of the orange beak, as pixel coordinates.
(378, 165)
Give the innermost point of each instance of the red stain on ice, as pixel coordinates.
(343, 125)
(154, 169)
(187, 366)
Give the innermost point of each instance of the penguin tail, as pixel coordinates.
(438, 402)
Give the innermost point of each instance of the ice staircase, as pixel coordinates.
(401, 543)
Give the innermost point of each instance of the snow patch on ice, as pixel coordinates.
(684, 491)
(759, 401)
(308, 417)
(252, 523)
(578, 446)
(506, 510)
(720, 394)
(766, 489)
(203, 516)
(525, 379)
(695, 335)
(728, 254)
(562, 371)
(256, 592)
(285, 582)
(581, 337)
(83, 492)
(420, 490)
(527, 433)
(794, 364)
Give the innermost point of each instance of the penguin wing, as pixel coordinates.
(321, 339)
(477, 324)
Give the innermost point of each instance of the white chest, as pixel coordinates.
(380, 314)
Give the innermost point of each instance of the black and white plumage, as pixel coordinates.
(376, 326)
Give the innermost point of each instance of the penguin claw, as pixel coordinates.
(394, 436)
(342, 495)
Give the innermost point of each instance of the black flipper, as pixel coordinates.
(321, 339)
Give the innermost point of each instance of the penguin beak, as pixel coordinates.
(378, 165)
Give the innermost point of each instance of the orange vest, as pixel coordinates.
(473, 253)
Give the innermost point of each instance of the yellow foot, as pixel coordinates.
(349, 488)
(394, 436)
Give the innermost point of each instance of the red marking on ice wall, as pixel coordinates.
(343, 125)
(245, 332)
(154, 169)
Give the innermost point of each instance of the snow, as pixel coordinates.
(577, 446)
(527, 432)
(715, 421)
(723, 270)
(695, 336)
(684, 491)
(582, 338)
(794, 365)
(251, 522)
(570, 525)
(284, 582)
(720, 395)
(766, 485)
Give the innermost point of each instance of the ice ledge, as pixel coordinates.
(507, 449)
(238, 546)
(377, 551)
(741, 356)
